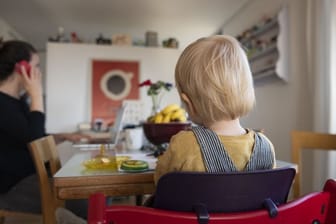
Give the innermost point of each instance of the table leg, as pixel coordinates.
(138, 199)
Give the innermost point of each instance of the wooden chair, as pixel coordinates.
(317, 207)
(308, 140)
(47, 163)
(43, 152)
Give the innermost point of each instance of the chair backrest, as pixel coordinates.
(223, 192)
(308, 140)
(47, 163)
(317, 207)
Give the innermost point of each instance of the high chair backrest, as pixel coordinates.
(47, 163)
(308, 140)
(223, 192)
(316, 207)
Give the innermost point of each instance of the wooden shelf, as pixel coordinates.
(264, 69)
(264, 74)
(267, 27)
(269, 50)
(272, 41)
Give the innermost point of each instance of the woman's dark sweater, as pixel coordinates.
(18, 126)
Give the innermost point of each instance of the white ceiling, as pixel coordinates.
(186, 20)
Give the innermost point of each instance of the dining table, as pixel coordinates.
(75, 181)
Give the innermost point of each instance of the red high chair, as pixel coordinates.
(314, 208)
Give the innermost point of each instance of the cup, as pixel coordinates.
(134, 138)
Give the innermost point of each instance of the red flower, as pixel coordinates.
(146, 83)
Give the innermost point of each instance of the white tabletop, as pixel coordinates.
(74, 166)
(72, 161)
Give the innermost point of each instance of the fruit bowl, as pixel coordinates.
(159, 133)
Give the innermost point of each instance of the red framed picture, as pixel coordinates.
(112, 82)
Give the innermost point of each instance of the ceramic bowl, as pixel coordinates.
(159, 133)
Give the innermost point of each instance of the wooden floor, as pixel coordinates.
(38, 220)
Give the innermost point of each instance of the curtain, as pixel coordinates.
(332, 9)
(320, 35)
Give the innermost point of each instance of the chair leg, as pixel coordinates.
(139, 199)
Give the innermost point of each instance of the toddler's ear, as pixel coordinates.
(187, 102)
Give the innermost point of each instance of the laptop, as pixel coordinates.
(113, 134)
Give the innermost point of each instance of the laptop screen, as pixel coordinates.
(117, 126)
(113, 133)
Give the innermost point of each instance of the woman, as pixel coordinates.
(22, 120)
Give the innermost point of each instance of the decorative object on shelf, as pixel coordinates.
(267, 46)
(170, 43)
(60, 37)
(255, 38)
(102, 40)
(151, 39)
(156, 92)
(121, 39)
(98, 125)
(75, 38)
(139, 42)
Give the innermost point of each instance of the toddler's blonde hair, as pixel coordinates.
(215, 75)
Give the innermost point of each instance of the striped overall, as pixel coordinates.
(216, 159)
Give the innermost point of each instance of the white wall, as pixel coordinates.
(7, 32)
(68, 76)
(281, 107)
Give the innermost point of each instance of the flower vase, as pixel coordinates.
(155, 104)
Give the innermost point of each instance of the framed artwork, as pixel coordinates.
(112, 82)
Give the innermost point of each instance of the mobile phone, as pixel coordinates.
(23, 63)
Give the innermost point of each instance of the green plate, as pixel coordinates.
(134, 166)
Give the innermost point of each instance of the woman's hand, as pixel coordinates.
(72, 137)
(33, 85)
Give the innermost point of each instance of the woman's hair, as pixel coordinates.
(214, 73)
(12, 52)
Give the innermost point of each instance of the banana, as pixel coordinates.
(151, 119)
(166, 118)
(171, 113)
(170, 108)
(158, 118)
(181, 119)
(176, 114)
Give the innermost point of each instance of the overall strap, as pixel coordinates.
(262, 156)
(214, 155)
